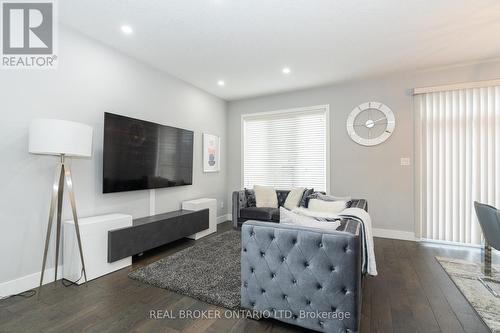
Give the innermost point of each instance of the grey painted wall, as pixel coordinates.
(373, 173)
(91, 79)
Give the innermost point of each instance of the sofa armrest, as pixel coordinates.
(239, 202)
(360, 203)
(303, 276)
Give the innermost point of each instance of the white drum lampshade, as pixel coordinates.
(57, 137)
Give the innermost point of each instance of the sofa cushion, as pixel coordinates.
(313, 195)
(293, 198)
(328, 197)
(317, 214)
(282, 196)
(305, 195)
(250, 197)
(333, 207)
(289, 217)
(265, 196)
(261, 214)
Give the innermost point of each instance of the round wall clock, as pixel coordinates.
(370, 123)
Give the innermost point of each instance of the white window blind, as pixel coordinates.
(286, 149)
(458, 147)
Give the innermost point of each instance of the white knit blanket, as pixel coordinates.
(365, 220)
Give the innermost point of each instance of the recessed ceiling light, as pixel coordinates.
(127, 29)
(286, 70)
(221, 83)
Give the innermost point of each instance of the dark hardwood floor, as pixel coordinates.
(412, 293)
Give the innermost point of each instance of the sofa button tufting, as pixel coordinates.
(332, 268)
(273, 276)
(244, 250)
(321, 323)
(262, 254)
(285, 296)
(263, 291)
(306, 264)
(294, 316)
(294, 241)
(251, 269)
(283, 259)
(294, 281)
(308, 302)
(245, 284)
(334, 309)
(320, 244)
(319, 286)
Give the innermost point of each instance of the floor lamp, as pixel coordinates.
(63, 139)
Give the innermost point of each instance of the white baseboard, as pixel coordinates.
(447, 243)
(31, 281)
(28, 282)
(224, 218)
(394, 234)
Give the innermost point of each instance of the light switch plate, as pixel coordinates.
(405, 161)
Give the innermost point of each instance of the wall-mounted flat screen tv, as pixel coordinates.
(139, 155)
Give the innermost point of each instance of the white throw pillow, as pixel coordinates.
(265, 196)
(307, 212)
(294, 197)
(333, 207)
(291, 218)
(336, 198)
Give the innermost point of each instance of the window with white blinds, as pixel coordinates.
(458, 147)
(286, 149)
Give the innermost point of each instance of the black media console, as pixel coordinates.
(152, 231)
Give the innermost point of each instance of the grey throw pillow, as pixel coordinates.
(250, 194)
(325, 197)
(307, 193)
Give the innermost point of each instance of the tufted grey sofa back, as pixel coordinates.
(303, 276)
(240, 201)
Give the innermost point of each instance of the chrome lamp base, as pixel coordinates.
(62, 175)
(487, 270)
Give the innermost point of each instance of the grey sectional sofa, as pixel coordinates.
(303, 276)
(244, 209)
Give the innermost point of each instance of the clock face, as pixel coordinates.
(370, 123)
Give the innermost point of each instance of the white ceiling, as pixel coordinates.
(246, 43)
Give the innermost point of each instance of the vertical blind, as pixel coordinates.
(286, 150)
(458, 147)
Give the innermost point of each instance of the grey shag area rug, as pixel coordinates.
(464, 274)
(208, 271)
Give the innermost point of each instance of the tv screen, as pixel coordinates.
(140, 155)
